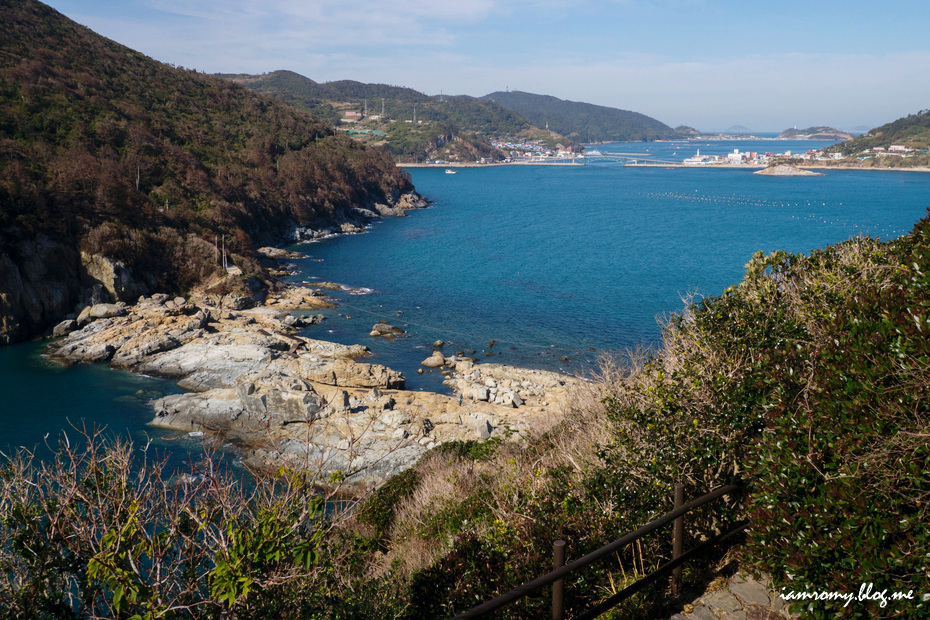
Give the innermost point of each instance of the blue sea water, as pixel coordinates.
(553, 264)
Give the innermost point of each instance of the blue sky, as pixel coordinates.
(764, 65)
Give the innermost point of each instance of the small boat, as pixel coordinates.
(450, 171)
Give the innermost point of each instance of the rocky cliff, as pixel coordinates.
(39, 282)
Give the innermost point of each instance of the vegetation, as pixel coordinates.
(105, 532)
(442, 120)
(912, 131)
(584, 122)
(105, 148)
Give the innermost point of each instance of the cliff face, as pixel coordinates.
(42, 281)
(39, 282)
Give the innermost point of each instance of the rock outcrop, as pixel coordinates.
(39, 284)
(114, 276)
(283, 397)
(41, 281)
(355, 219)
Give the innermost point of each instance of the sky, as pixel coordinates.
(710, 65)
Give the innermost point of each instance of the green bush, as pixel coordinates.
(101, 531)
(842, 474)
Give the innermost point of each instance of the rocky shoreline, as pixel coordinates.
(284, 398)
(43, 279)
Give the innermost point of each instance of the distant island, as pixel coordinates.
(815, 133)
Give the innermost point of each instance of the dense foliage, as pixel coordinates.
(812, 379)
(93, 134)
(584, 122)
(843, 472)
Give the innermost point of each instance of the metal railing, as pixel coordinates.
(556, 578)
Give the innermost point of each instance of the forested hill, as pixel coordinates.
(329, 98)
(584, 122)
(318, 98)
(912, 131)
(467, 123)
(105, 150)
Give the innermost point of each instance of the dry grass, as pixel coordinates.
(512, 473)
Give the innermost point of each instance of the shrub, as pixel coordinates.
(101, 532)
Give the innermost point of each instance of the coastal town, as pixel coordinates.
(536, 152)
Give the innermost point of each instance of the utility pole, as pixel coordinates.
(414, 114)
(382, 107)
(366, 107)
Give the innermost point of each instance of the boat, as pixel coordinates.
(450, 171)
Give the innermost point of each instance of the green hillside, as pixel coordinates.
(106, 150)
(912, 131)
(584, 122)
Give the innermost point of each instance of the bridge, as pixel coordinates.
(629, 159)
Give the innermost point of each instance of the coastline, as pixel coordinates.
(281, 397)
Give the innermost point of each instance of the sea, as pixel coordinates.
(540, 266)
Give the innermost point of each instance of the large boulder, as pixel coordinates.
(436, 360)
(106, 311)
(382, 328)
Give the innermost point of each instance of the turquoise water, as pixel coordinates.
(45, 403)
(548, 262)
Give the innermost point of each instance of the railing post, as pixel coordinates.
(558, 588)
(678, 534)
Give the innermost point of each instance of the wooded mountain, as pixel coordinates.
(468, 120)
(108, 152)
(584, 122)
(912, 131)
